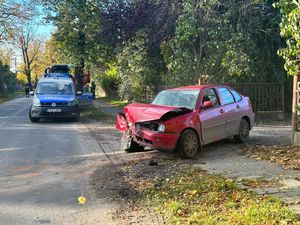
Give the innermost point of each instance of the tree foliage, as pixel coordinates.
(137, 44)
(290, 30)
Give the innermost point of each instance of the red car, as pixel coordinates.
(186, 118)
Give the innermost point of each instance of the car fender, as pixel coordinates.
(121, 123)
(183, 122)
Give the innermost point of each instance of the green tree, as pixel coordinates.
(290, 30)
(77, 27)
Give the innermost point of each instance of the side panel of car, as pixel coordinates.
(212, 119)
(232, 111)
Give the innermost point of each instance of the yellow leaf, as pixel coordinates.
(81, 200)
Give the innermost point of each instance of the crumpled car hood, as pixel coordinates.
(148, 112)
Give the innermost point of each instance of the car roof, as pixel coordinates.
(60, 65)
(198, 87)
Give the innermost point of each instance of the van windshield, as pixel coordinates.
(54, 88)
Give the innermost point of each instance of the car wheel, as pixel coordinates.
(129, 145)
(188, 145)
(33, 119)
(77, 117)
(244, 131)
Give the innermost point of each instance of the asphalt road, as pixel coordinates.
(44, 168)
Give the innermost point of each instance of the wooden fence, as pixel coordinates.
(265, 97)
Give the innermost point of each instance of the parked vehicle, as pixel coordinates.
(60, 68)
(186, 118)
(54, 98)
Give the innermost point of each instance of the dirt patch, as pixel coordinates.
(122, 177)
(126, 182)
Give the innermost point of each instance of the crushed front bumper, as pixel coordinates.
(156, 140)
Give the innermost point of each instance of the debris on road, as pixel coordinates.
(81, 200)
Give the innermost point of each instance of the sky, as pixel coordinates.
(44, 30)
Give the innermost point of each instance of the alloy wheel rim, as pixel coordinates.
(244, 131)
(190, 145)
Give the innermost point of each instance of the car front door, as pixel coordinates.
(232, 111)
(213, 118)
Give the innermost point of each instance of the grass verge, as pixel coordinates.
(97, 114)
(114, 101)
(8, 97)
(193, 196)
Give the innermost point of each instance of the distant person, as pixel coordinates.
(93, 89)
(47, 71)
(86, 88)
(27, 89)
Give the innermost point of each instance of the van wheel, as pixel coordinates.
(33, 119)
(77, 117)
(188, 145)
(129, 145)
(244, 131)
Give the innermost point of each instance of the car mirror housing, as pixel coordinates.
(207, 104)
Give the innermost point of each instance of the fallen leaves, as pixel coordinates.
(193, 196)
(286, 156)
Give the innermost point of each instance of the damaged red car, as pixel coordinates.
(185, 119)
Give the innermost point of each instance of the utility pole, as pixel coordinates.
(16, 65)
(295, 112)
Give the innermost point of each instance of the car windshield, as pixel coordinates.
(178, 98)
(54, 88)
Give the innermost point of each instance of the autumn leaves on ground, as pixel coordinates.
(182, 193)
(189, 195)
(286, 156)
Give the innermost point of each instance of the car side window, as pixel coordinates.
(225, 96)
(236, 95)
(210, 95)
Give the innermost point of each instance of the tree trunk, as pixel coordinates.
(28, 75)
(81, 46)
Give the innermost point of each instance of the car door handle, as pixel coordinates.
(238, 107)
(222, 111)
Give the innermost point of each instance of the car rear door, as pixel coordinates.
(212, 119)
(232, 111)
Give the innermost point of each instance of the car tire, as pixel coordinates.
(129, 145)
(244, 131)
(77, 117)
(188, 145)
(33, 119)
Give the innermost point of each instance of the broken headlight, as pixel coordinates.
(161, 128)
(153, 126)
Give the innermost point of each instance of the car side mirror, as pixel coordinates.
(79, 93)
(31, 93)
(208, 104)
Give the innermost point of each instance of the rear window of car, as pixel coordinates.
(236, 95)
(225, 96)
